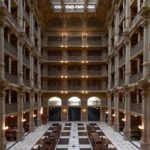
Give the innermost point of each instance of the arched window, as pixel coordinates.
(94, 101)
(93, 23)
(74, 23)
(54, 101)
(55, 23)
(74, 101)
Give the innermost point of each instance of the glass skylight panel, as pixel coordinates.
(79, 6)
(91, 7)
(69, 7)
(74, 5)
(57, 7)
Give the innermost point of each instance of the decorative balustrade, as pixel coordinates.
(92, 88)
(134, 107)
(74, 58)
(10, 48)
(137, 48)
(113, 68)
(26, 60)
(112, 103)
(121, 105)
(96, 58)
(11, 78)
(121, 82)
(96, 73)
(122, 14)
(26, 16)
(135, 21)
(26, 105)
(35, 105)
(11, 108)
(74, 73)
(74, 88)
(136, 77)
(74, 43)
(122, 60)
(26, 82)
(52, 58)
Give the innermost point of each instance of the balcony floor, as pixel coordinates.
(81, 142)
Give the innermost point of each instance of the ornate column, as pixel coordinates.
(146, 49)
(31, 113)
(109, 74)
(102, 114)
(39, 109)
(145, 139)
(20, 13)
(84, 109)
(20, 62)
(39, 74)
(116, 24)
(64, 109)
(32, 26)
(116, 111)
(127, 61)
(2, 51)
(39, 40)
(109, 109)
(127, 14)
(3, 85)
(127, 128)
(116, 68)
(31, 71)
(20, 129)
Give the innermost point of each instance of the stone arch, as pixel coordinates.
(54, 101)
(94, 101)
(55, 23)
(74, 23)
(93, 22)
(74, 101)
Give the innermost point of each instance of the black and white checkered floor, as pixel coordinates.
(74, 137)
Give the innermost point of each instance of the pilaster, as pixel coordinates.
(39, 109)
(145, 139)
(127, 128)
(116, 111)
(2, 51)
(31, 113)
(20, 129)
(3, 85)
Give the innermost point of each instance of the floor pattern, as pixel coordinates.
(74, 137)
(31, 139)
(116, 138)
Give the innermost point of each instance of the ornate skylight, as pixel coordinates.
(74, 5)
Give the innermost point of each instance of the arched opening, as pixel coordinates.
(74, 101)
(94, 101)
(74, 23)
(54, 104)
(93, 23)
(74, 109)
(93, 104)
(54, 101)
(55, 23)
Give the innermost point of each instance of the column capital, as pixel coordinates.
(144, 83)
(21, 88)
(3, 84)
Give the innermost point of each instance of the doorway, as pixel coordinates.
(74, 114)
(55, 114)
(93, 114)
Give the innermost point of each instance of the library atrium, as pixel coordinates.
(74, 74)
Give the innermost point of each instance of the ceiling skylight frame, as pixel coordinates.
(74, 5)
